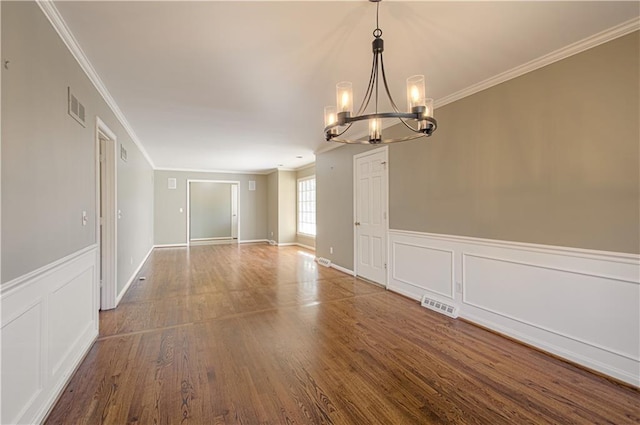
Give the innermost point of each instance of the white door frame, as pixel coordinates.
(108, 203)
(385, 150)
(188, 238)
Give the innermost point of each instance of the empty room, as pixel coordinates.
(320, 212)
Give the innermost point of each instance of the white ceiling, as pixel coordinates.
(241, 85)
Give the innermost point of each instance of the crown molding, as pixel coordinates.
(304, 167)
(555, 56)
(328, 146)
(196, 170)
(58, 23)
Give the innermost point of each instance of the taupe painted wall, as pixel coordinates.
(48, 159)
(282, 206)
(272, 213)
(305, 172)
(551, 157)
(287, 213)
(171, 224)
(334, 204)
(210, 210)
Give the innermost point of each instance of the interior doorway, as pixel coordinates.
(213, 211)
(371, 215)
(106, 213)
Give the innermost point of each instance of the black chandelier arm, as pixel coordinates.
(400, 115)
(386, 86)
(409, 127)
(372, 78)
(405, 115)
(384, 141)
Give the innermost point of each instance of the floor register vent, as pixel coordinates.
(324, 261)
(441, 307)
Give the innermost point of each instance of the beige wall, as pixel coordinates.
(272, 200)
(48, 159)
(210, 210)
(551, 157)
(287, 222)
(171, 224)
(282, 206)
(334, 204)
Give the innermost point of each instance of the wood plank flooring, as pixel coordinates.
(256, 334)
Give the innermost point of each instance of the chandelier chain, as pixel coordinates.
(377, 33)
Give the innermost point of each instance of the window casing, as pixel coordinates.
(307, 206)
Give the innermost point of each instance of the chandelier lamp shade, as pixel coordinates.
(418, 118)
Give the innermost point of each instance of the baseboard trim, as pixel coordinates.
(342, 269)
(555, 351)
(254, 241)
(59, 388)
(310, 248)
(171, 245)
(133, 277)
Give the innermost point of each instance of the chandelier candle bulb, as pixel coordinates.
(415, 92)
(344, 95)
(375, 130)
(428, 112)
(330, 118)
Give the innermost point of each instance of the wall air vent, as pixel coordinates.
(434, 304)
(75, 108)
(324, 261)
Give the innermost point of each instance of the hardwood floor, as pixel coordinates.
(255, 334)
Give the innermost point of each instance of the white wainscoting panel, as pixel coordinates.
(49, 322)
(579, 304)
(419, 268)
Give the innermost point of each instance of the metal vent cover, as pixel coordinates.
(439, 306)
(324, 261)
(75, 108)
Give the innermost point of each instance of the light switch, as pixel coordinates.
(181, 210)
(119, 214)
(85, 219)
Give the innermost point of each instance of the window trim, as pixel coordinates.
(298, 232)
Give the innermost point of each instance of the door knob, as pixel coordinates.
(357, 223)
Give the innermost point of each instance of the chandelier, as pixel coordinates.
(339, 119)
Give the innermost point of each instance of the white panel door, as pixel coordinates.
(371, 215)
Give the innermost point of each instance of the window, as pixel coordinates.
(307, 206)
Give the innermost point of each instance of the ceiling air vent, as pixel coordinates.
(76, 109)
(441, 307)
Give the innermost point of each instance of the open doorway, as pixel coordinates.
(213, 211)
(106, 216)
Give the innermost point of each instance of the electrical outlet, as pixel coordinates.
(131, 260)
(458, 286)
(271, 233)
(331, 250)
